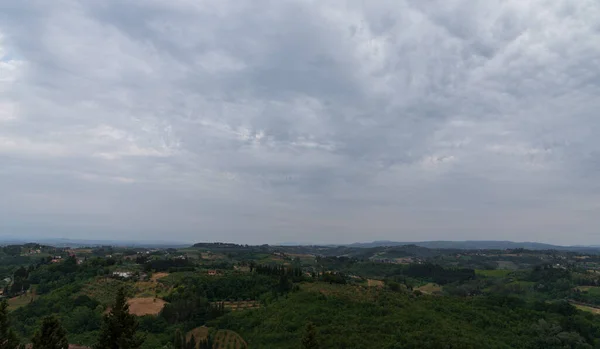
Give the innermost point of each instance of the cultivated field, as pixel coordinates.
(199, 333)
(241, 305)
(223, 339)
(145, 306)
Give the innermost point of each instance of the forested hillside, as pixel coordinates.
(226, 295)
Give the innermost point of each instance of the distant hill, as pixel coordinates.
(62, 242)
(477, 245)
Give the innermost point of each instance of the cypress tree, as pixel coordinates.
(8, 338)
(207, 343)
(192, 343)
(119, 328)
(51, 335)
(179, 340)
(309, 339)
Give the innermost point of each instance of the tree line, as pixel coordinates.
(118, 330)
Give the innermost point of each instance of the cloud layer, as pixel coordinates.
(304, 121)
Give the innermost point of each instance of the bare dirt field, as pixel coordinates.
(145, 306)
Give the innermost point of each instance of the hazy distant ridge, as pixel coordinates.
(476, 244)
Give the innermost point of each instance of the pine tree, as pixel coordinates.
(8, 338)
(119, 327)
(51, 335)
(309, 339)
(207, 343)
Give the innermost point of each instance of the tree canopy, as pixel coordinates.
(119, 328)
(51, 335)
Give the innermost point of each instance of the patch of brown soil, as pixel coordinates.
(145, 306)
(157, 276)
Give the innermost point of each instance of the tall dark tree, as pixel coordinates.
(179, 340)
(119, 328)
(309, 339)
(192, 343)
(51, 335)
(8, 338)
(207, 343)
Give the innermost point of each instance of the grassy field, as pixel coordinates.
(304, 258)
(593, 290)
(586, 308)
(374, 283)
(430, 288)
(20, 301)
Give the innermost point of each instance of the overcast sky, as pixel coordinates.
(300, 121)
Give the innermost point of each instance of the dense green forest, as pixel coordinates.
(226, 295)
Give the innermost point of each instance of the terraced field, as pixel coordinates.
(226, 339)
(241, 305)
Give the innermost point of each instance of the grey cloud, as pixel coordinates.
(304, 121)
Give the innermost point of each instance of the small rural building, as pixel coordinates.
(123, 274)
